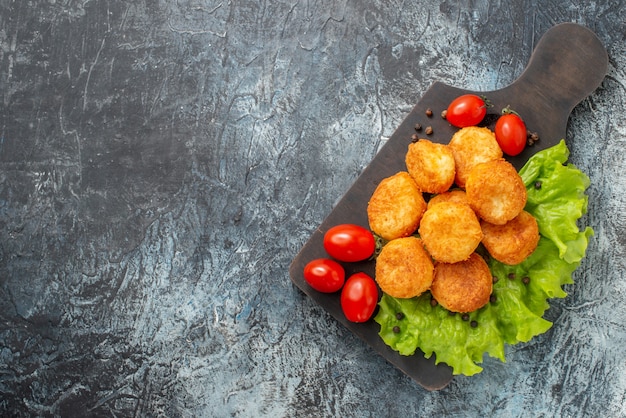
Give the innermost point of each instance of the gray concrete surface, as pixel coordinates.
(161, 163)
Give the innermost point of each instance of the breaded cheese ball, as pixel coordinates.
(470, 146)
(403, 268)
(496, 191)
(450, 231)
(396, 207)
(454, 195)
(464, 286)
(512, 242)
(431, 165)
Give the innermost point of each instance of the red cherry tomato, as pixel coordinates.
(466, 110)
(324, 275)
(349, 243)
(511, 134)
(359, 297)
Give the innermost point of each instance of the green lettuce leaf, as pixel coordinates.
(557, 199)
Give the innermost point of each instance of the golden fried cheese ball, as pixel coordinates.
(450, 231)
(403, 268)
(396, 207)
(431, 165)
(496, 191)
(464, 286)
(454, 195)
(470, 146)
(512, 242)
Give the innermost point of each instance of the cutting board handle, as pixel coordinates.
(566, 66)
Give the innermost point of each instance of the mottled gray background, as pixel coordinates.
(162, 162)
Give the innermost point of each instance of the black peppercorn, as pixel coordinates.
(512, 276)
(531, 138)
(526, 280)
(428, 130)
(465, 317)
(429, 112)
(418, 127)
(473, 324)
(537, 185)
(495, 279)
(399, 316)
(433, 302)
(493, 298)
(396, 329)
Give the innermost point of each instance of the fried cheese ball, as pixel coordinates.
(403, 268)
(431, 165)
(464, 286)
(396, 207)
(496, 191)
(450, 231)
(470, 146)
(512, 242)
(454, 195)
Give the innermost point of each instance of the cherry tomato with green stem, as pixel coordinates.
(324, 275)
(466, 110)
(511, 133)
(359, 297)
(349, 243)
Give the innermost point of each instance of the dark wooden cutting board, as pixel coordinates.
(567, 65)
